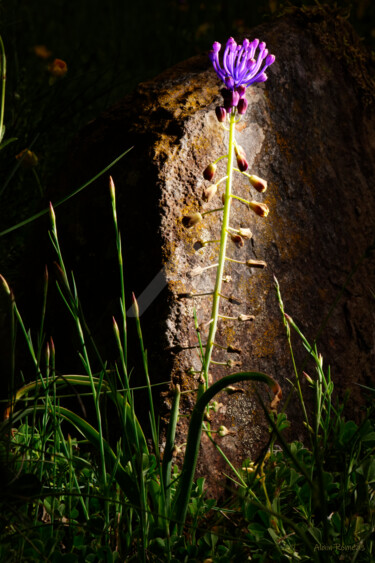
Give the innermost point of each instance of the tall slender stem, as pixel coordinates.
(223, 245)
(3, 82)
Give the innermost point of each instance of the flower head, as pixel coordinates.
(58, 68)
(242, 65)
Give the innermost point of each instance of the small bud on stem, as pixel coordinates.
(209, 172)
(260, 209)
(191, 220)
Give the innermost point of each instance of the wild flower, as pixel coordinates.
(242, 65)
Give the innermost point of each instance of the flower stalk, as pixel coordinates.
(222, 253)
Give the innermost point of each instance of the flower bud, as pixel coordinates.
(242, 106)
(245, 233)
(42, 52)
(260, 209)
(58, 68)
(229, 82)
(244, 318)
(241, 90)
(237, 239)
(309, 379)
(28, 158)
(198, 245)
(241, 158)
(234, 363)
(258, 183)
(234, 350)
(191, 220)
(209, 172)
(221, 114)
(262, 77)
(231, 98)
(5, 285)
(209, 192)
(256, 263)
(249, 468)
(251, 64)
(197, 271)
(223, 431)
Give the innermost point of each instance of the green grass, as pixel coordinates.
(72, 494)
(72, 490)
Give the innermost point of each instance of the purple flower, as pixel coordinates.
(241, 66)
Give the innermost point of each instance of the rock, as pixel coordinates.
(308, 131)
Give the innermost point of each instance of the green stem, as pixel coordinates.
(3, 82)
(221, 264)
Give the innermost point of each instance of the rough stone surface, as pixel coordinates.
(309, 130)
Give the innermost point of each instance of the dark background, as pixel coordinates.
(109, 47)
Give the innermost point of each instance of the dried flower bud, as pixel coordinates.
(198, 245)
(221, 114)
(237, 239)
(223, 431)
(28, 158)
(233, 300)
(244, 318)
(191, 219)
(209, 172)
(245, 233)
(234, 350)
(241, 158)
(223, 198)
(242, 106)
(258, 183)
(256, 263)
(260, 209)
(196, 271)
(234, 363)
(58, 68)
(42, 52)
(209, 192)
